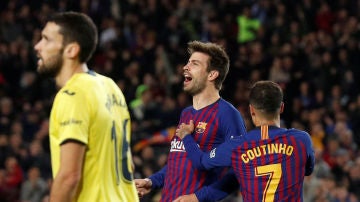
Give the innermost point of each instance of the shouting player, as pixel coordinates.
(216, 121)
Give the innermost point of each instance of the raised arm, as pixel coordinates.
(218, 157)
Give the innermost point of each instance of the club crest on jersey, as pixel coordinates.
(200, 128)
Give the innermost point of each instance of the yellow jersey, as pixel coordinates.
(91, 109)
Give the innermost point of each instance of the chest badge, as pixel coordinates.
(201, 127)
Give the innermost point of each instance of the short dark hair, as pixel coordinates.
(219, 60)
(79, 28)
(266, 96)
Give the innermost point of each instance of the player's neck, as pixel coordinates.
(265, 122)
(67, 71)
(268, 123)
(204, 99)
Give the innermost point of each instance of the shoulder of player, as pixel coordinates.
(187, 109)
(298, 133)
(225, 104)
(231, 144)
(79, 85)
(236, 140)
(227, 109)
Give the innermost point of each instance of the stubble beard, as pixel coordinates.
(198, 86)
(52, 67)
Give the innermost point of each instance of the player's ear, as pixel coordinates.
(252, 110)
(281, 107)
(72, 50)
(213, 75)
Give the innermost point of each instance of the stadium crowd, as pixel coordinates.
(310, 47)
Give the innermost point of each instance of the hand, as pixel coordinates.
(143, 186)
(185, 129)
(187, 198)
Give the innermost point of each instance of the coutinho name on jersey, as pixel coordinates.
(273, 148)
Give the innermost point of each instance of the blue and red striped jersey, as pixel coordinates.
(214, 125)
(269, 162)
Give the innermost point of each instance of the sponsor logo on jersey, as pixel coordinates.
(177, 146)
(71, 93)
(201, 127)
(70, 122)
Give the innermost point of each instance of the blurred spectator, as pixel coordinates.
(34, 188)
(137, 105)
(247, 26)
(331, 147)
(325, 17)
(317, 134)
(322, 168)
(37, 158)
(7, 193)
(5, 150)
(354, 178)
(13, 177)
(7, 114)
(341, 193)
(17, 146)
(277, 72)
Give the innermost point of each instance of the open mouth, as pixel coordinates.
(187, 79)
(38, 58)
(39, 62)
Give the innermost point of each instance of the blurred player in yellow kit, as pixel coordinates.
(89, 121)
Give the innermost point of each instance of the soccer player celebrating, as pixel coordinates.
(89, 121)
(215, 120)
(269, 162)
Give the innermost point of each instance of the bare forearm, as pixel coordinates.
(66, 182)
(63, 189)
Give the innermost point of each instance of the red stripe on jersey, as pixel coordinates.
(210, 112)
(214, 130)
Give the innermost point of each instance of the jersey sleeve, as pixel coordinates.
(219, 189)
(208, 194)
(158, 178)
(310, 161)
(218, 157)
(231, 122)
(72, 114)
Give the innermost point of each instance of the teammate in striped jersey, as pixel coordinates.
(216, 121)
(269, 162)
